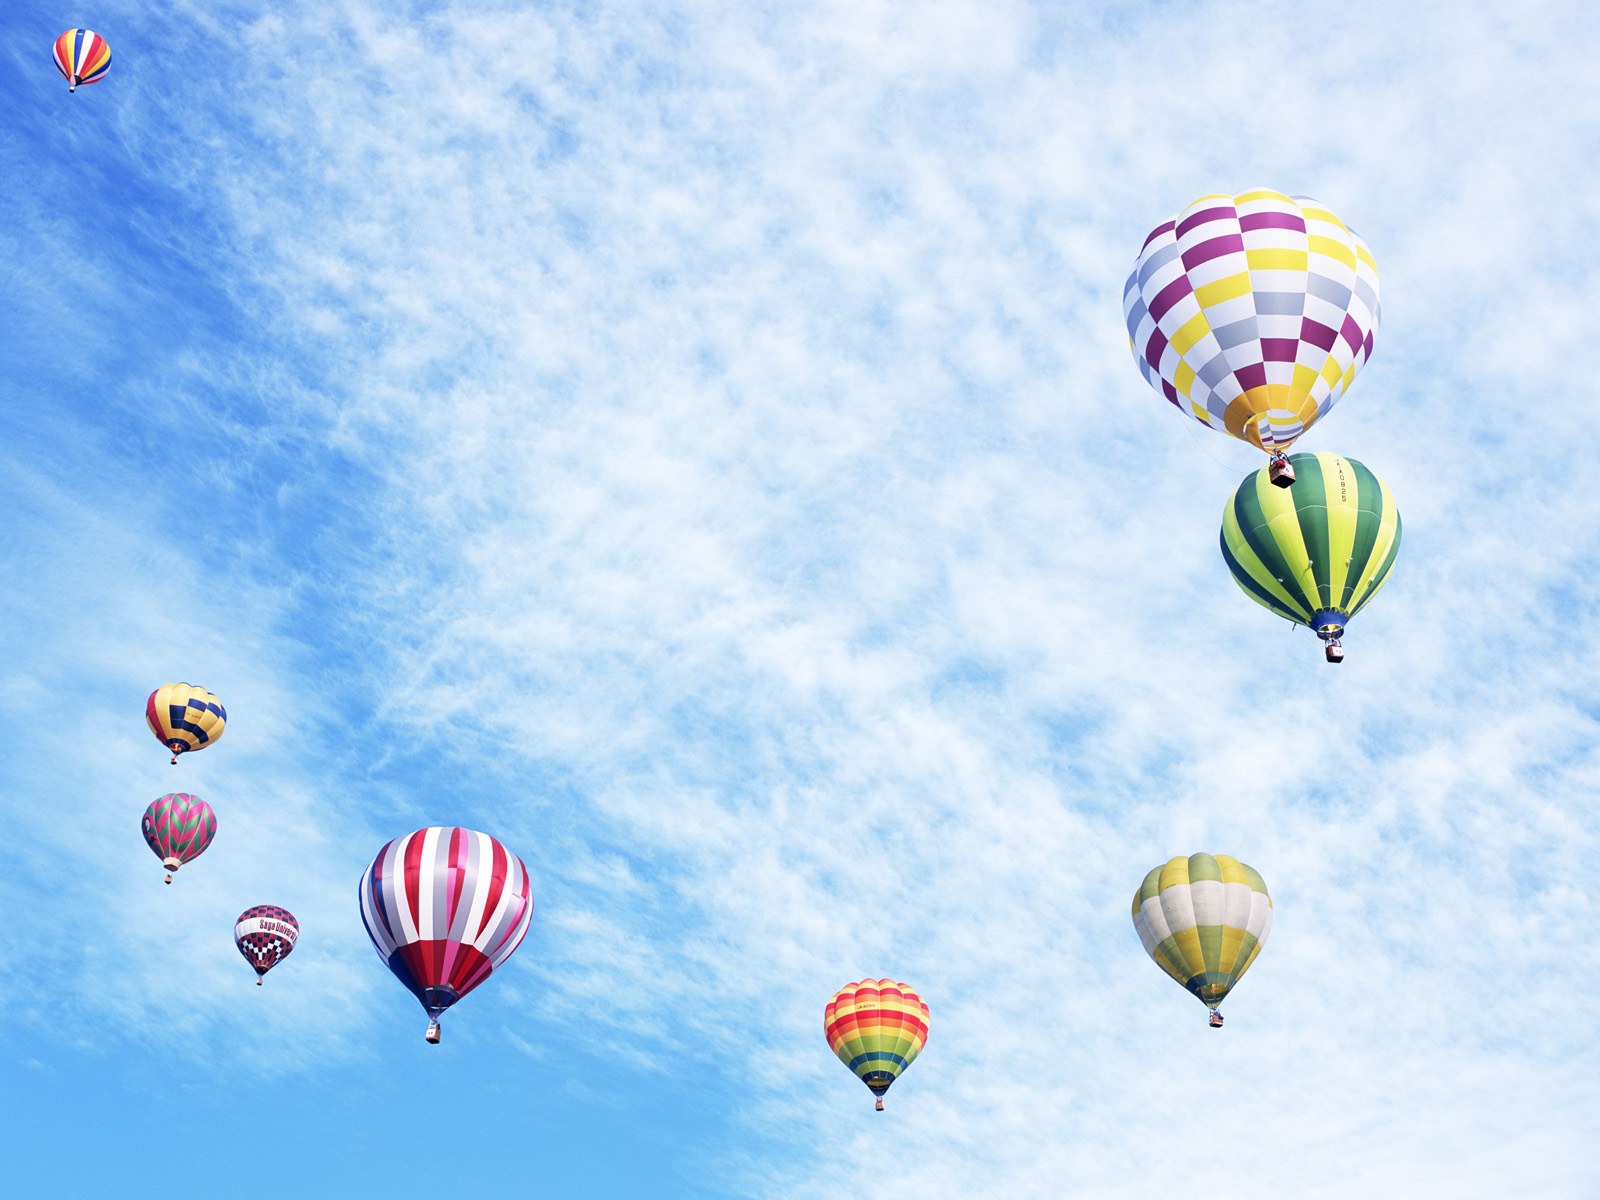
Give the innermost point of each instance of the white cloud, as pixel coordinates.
(756, 510)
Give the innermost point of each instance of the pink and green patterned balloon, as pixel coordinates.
(178, 827)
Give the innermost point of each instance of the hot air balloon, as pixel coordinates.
(1253, 313)
(265, 935)
(178, 828)
(82, 56)
(445, 907)
(877, 1028)
(184, 717)
(1317, 552)
(1203, 920)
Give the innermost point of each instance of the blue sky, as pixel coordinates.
(698, 444)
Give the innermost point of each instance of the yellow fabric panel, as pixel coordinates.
(1232, 939)
(1312, 212)
(1277, 260)
(1380, 547)
(1332, 371)
(1240, 549)
(1365, 256)
(1339, 484)
(1334, 249)
(1174, 969)
(1229, 287)
(1175, 873)
(1232, 871)
(1186, 335)
(1183, 380)
(1257, 194)
(1188, 942)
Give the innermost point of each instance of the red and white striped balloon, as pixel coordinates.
(445, 907)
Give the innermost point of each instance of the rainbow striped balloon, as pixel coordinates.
(877, 1028)
(82, 56)
(177, 828)
(445, 907)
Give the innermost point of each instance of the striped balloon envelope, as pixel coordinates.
(177, 828)
(82, 56)
(265, 934)
(1203, 919)
(1315, 552)
(184, 717)
(1253, 313)
(877, 1028)
(445, 907)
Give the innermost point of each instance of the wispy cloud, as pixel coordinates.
(700, 446)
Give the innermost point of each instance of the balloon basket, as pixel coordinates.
(168, 879)
(259, 982)
(880, 1104)
(1281, 472)
(1216, 1020)
(1333, 652)
(432, 1035)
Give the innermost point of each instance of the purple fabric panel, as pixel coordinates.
(1165, 227)
(1252, 376)
(1155, 348)
(1168, 296)
(1222, 212)
(1272, 220)
(1171, 393)
(1279, 349)
(1351, 332)
(1228, 243)
(1317, 334)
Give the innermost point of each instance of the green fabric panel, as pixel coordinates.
(1170, 958)
(1382, 573)
(1247, 950)
(1203, 866)
(1254, 590)
(1368, 526)
(1150, 888)
(1257, 884)
(1256, 531)
(1310, 495)
(1211, 946)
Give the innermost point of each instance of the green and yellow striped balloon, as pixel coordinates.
(1315, 552)
(1204, 920)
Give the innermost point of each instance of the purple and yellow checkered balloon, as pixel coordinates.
(1253, 313)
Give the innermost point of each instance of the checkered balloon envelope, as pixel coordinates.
(1253, 313)
(265, 935)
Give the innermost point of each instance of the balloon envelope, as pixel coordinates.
(445, 907)
(1203, 919)
(877, 1027)
(177, 828)
(1317, 551)
(184, 717)
(1253, 313)
(82, 56)
(265, 934)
